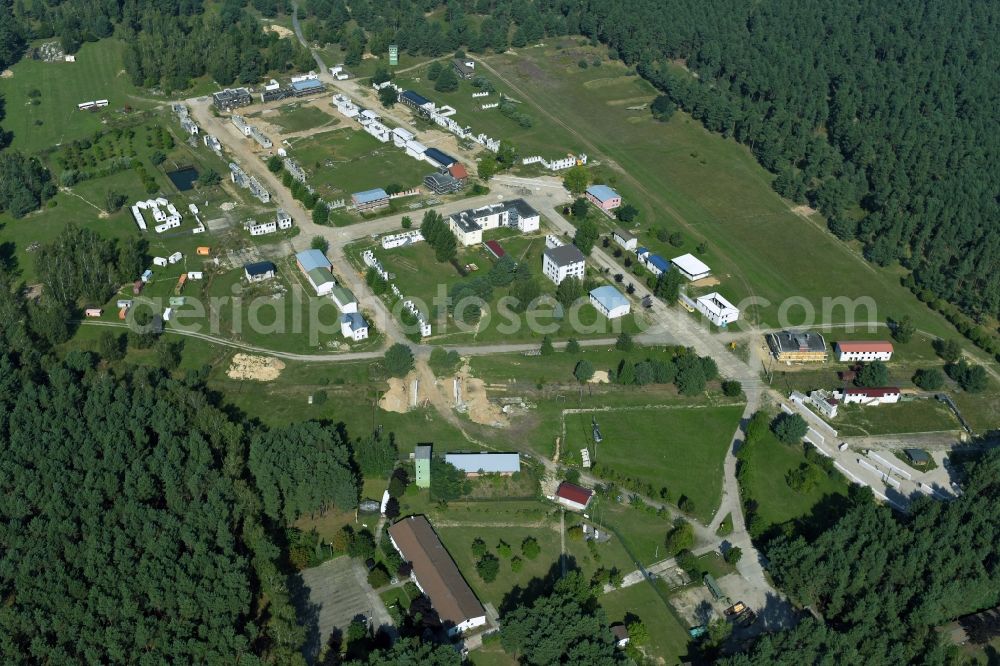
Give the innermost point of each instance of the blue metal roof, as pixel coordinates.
(310, 259)
(355, 319)
(490, 463)
(436, 156)
(416, 98)
(602, 192)
(609, 297)
(259, 268)
(370, 195)
(308, 84)
(659, 262)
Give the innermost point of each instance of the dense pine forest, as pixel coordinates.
(139, 523)
(882, 582)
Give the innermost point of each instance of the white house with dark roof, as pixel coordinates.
(563, 261)
(627, 240)
(469, 225)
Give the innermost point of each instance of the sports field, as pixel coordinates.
(681, 449)
(96, 74)
(710, 188)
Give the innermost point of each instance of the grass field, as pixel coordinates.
(299, 116)
(710, 188)
(343, 161)
(428, 282)
(903, 417)
(96, 74)
(668, 638)
(681, 449)
(777, 503)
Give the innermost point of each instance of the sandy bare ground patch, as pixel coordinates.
(600, 377)
(279, 30)
(628, 101)
(257, 368)
(804, 211)
(7, 74)
(481, 410)
(706, 282)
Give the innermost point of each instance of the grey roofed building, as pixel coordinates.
(522, 207)
(463, 69)
(485, 462)
(565, 255)
(796, 341)
(231, 98)
(442, 183)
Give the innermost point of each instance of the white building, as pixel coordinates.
(344, 299)
(865, 350)
(871, 396)
(415, 149)
(391, 241)
(625, 239)
(564, 261)
(469, 225)
(610, 302)
(175, 257)
(718, 310)
(691, 267)
(241, 124)
(825, 402)
(378, 130)
(137, 215)
(401, 136)
(160, 261)
(345, 106)
(284, 219)
(353, 326)
(260, 228)
(260, 137)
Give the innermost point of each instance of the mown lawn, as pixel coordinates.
(344, 161)
(300, 116)
(668, 638)
(96, 74)
(903, 417)
(681, 449)
(776, 503)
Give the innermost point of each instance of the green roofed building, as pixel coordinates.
(423, 461)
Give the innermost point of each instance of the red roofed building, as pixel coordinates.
(458, 172)
(573, 496)
(865, 350)
(884, 395)
(495, 249)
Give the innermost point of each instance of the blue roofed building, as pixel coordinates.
(307, 87)
(317, 269)
(474, 464)
(604, 197)
(610, 302)
(260, 270)
(415, 101)
(438, 158)
(370, 199)
(353, 326)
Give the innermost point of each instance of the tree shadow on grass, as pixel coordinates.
(536, 587)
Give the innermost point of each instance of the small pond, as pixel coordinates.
(183, 179)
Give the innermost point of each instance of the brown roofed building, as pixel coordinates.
(436, 574)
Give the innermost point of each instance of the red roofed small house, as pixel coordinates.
(573, 496)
